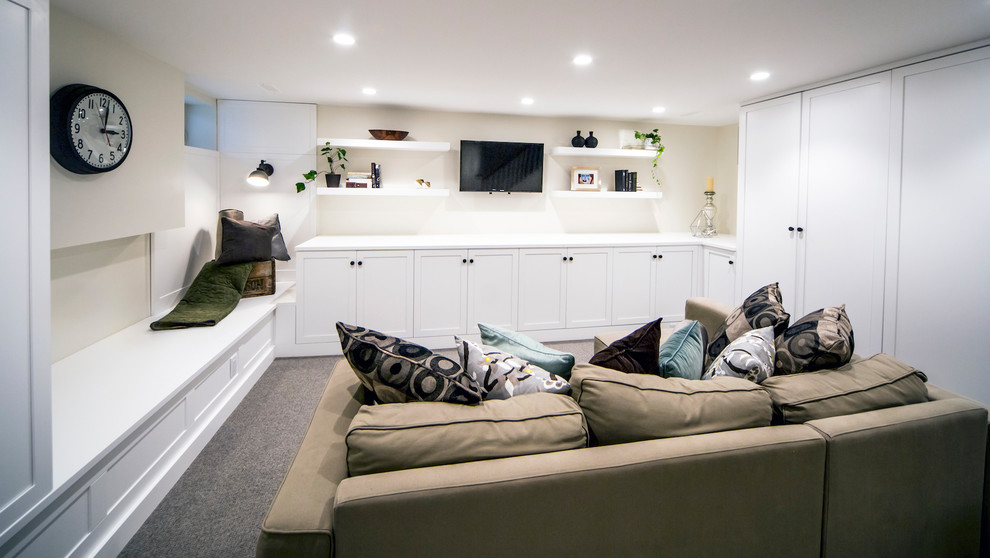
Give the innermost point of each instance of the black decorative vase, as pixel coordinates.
(591, 141)
(578, 141)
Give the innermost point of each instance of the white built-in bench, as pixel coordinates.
(131, 412)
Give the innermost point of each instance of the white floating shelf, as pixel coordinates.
(609, 195)
(386, 144)
(595, 152)
(385, 192)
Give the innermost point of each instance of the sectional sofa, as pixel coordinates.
(907, 480)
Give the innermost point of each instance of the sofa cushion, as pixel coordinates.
(528, 349)
(501, 375)
(636, 353)
(244, 241)
(393, 437)
(622, 407)
(682, 355)
(864, 385)
(749, 356)
(761, 309)
(397, 371)
(822, 339)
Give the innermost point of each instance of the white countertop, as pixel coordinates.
(534, 240)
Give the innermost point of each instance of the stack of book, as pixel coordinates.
(371, 179)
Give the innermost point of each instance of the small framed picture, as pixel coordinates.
(585, 178)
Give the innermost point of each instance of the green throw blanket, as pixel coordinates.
(214, 293)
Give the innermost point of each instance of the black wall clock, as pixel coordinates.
(90, 129)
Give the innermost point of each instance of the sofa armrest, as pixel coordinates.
(651, 498)
(299, 522)
(711, 314)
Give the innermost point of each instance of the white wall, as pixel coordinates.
(145, 193)
(177, 255)
(97, 290)
(284, 135)
(692, 153)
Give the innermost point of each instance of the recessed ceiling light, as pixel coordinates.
(658, 110)
(759, 76)
(369, 91)
(343, 39)
(527, 100)
(582, 60)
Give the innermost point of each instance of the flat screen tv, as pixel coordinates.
(501, 166)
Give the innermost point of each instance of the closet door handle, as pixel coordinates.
(800, 229)
(790, 229)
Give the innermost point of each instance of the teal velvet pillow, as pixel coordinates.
(682, 355)
(528, 349)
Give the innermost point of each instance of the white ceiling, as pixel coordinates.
(692, 57)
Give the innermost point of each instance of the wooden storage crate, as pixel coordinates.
(261, 280)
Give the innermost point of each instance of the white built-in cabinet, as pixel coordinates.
(25, 383)
(813, 184)
(456, 289)
(371, 288)
(938, 261)
(719, 276)
(564, 287)
(651, 282)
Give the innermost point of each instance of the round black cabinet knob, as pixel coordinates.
(352, 262)
(731, 262)
(790, 229)
(800, 229)
(471, 260)
(654, 256)
(571, 258)
(565, 258)
(360, 263)
(464, 260)
(660, 256)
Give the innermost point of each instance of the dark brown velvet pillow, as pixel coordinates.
(636, 353)
(244, 241)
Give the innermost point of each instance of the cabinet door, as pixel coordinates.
(720, 277)
(769, 158)
(492, 288)
(441, 292)
(385, 291)
(675, 282)
(325, 295)
(541, 288)
(25, 397)
(589, 287)
(632, 284)
(938, 261)
(845, 148)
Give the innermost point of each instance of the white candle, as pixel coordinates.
(709, 184)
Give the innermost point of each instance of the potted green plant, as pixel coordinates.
(652, 140)
(336, 159)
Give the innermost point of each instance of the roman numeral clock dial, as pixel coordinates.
(91, 130)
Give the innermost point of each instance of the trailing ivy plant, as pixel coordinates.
(336, 159)
(652, 139)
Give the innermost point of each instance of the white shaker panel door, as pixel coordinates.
(541, 288)
(385, 291)
(441, 292)
(940, 270)
(769, 164)
(845, 143)
(492, 288)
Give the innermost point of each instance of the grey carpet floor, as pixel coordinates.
(216, 508)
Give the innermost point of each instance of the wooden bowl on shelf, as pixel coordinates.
(390, 135)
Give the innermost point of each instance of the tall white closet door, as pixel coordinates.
(936, 318)
(769, 157)
(25, 381)
(845, 144)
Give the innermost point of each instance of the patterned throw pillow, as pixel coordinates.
(397, 371)
(822, 339)
(636, 353)
(682, 355)
(502, 375)
(750, 356)
(761, 309)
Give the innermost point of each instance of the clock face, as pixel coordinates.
(90, 129)
(101, 130)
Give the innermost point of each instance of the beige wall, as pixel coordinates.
(727, 178)
(101, 256)
(692, 153)
(145, 193)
